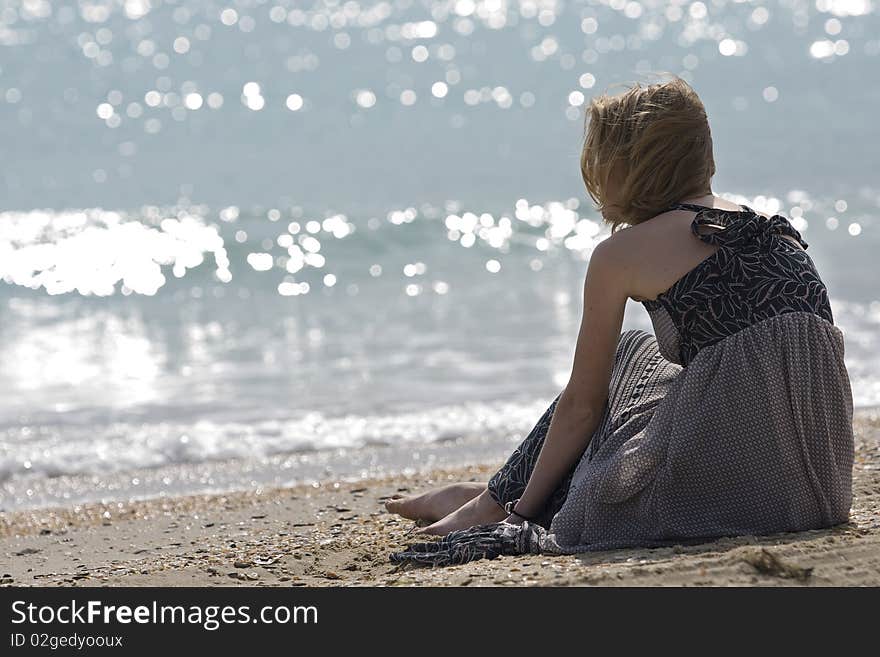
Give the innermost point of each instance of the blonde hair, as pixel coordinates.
(653, 143)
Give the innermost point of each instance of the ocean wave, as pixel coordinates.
(104, 450)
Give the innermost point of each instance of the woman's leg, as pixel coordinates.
(510, 481)
(435, 503)
(478, 511)
(508, 484)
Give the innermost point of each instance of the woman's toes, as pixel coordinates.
(403, 506)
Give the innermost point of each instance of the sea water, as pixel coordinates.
(252, 243)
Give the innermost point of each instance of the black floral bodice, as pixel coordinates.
(755, 274)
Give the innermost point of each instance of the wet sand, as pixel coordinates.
(339, 534)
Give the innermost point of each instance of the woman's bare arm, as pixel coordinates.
(581, 403)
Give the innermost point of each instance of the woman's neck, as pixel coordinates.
(698, 200)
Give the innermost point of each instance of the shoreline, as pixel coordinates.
(337, 533)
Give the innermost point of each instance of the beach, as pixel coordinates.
(338, 533)
(264, 266)
(252, 248)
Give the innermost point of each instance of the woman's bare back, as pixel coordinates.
(663, 249)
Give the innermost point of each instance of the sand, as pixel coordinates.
(339, 534)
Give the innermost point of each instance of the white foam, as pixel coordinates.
(102, 450)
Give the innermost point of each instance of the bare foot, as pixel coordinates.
(478, 511)
(435, 503)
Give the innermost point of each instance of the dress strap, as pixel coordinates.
(737, 228)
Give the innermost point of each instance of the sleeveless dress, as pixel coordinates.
(734, 418)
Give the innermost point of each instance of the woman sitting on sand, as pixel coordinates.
(735, 419)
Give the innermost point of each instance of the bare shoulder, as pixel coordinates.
(630, 242)
(617, 261)
(648, 257)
